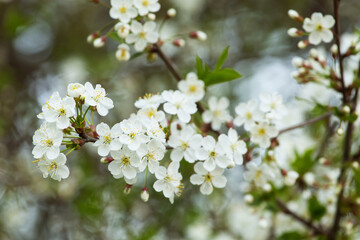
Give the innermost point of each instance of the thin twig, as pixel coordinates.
(316, 230)
(308, 122)
(340, 56)
(167, 61)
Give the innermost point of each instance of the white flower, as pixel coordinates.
(130, 181)
(247, 114)
(97, 97)
(233, 147)
(75, 90)
(176, 103)
(150, 155)
(155, 131)
(149, 101)
(290, 178)
(272, 105)
(141, 35)
(122, 29)
(56, 167)
(261, 134)
(134, 133)
(146, 6)
(149, 115)
(123, 52)
(59, 110)
(185, 144)
(123, 10)
(169, 180)
(213, 154)
(207, 179)
(192, 87)
(260, 175)
(125, 162)
(108, 139)
(47, 140)
(217, 113)
(319, 28)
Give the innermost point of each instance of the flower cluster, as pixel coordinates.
(318, 28)
(63, 119)
(163, 122)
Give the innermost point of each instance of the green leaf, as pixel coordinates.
(316, 210)
(136, 55)
(199, 67)
(221, 76)
(303, 162)
(115, 37)
(222, 58)
(293, 235)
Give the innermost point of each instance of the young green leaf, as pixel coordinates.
(222, 58)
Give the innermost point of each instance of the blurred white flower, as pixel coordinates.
(75, 90)
(141, 35)
(233, 146)
(247, 114)
(176, 103)
(123, 10)
(192, 87)
(56, 167)
(125, 162)
(47, 140)
(217, 113)
(108, 138)
(319, 28)
(262, 133)
(150, 155)
(146, 6)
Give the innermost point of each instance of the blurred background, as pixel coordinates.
(43, 48)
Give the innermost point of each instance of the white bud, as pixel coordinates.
(199, 35)
(293, 14)
(122, 29)
(314, 53)
(302, 70)
(309, 178)
(355, 165)
(357, 200)
(295, 74)
(103, 160)
(334, 49)
(346, 109)
(322, 160)
(248, 198)
(301, 45)
(231, 165)
(297, 62)
(290, 178)
(293, 32)
(340, 131)
(99, 42)
(267, 187)
(263, 223)
(151, 17)
(179, 42)
(171, 13)
(145, 194)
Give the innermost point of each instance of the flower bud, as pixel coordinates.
(151, 17)
(297, 62)
(263, 223)
(92, 37)
(248, 198)
(127, 188)
(171, 13)
(179, 42)
(340, 131)
(267, 187)
(314, 53)
(309, 178)
(355, 165)
(106, 160)
(293, 14)
(99, 42)
(123, 54)
(294, 32)
(151, 57)
(231, 165)
(302, 44)
(334, 50)
(346, 109)
(199, 35)
(145, 194)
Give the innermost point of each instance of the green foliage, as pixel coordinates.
(218, 74)
(357, 181)
(14, 20)
(316, 209)
(303, 162)
(346, 117)
(293, 235)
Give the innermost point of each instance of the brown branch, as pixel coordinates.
(167, 61)
(340, 56)
(316, 230)
(308, 122)
(346, 158)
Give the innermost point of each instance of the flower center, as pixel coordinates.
(49, 142)
(213, 154)
(150, 114)
(217, 113)
(98, 96)
(132, 135)
(53, 166)
(261, 131)
(145, 3)
(142, 35)
(207, 177)
(248, 115)
(107, 139)
(122, 10)
(62, 112)
(192, 88)
(319, 27)
(151, 156)
(125, 160)
(184, 145)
